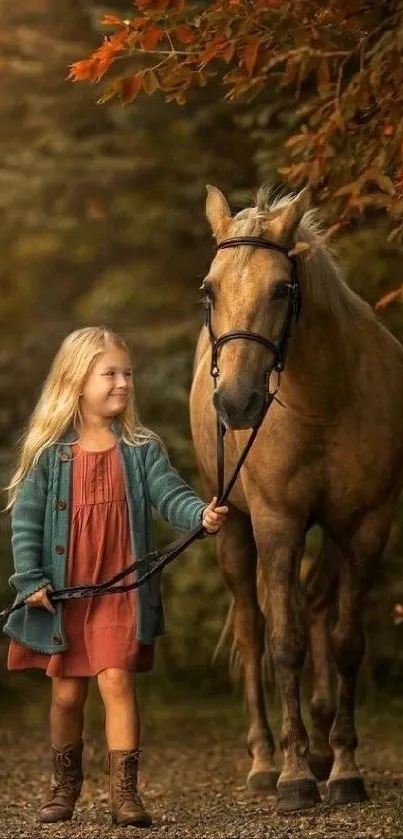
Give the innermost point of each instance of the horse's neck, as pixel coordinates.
(318, 365)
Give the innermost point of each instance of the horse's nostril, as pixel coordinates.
(254, 403)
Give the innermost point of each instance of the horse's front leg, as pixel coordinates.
(280, 549)
(237, 557)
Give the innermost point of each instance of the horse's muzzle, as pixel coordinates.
(241, 410)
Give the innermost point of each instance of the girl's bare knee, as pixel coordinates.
(114, 683)
(69, 693)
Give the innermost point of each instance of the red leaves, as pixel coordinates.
(150, 82)
(250, 54)
(94, 68)
(151, 37)
(213, 51)
(345, 79)
(130, 88)
(81, 70)
(185, 34)
(112, 20)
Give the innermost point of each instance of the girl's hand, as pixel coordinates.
(40, 598)
(213, 517)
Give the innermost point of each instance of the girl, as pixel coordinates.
(81, 499)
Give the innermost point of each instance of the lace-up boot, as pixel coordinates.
(125, 803)
(66, 783)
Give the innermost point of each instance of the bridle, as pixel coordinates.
(154, 562)
(278, 348)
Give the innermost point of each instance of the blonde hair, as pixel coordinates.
(58, 404)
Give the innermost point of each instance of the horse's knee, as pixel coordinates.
(289, 647)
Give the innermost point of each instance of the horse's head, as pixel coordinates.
(248, 289)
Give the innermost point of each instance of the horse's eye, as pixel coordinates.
(280, 291)
(208, 292)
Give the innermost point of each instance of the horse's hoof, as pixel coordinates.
(320, 766)
(263, 781)
(297, 795)
(346, 791)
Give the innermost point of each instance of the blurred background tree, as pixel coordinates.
(102, 222)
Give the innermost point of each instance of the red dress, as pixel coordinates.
(100, 631)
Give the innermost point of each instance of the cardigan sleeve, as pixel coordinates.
(169, 493)
(27, 522)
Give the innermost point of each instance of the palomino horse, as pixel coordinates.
(329, 451)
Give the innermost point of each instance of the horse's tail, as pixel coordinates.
(235, 663)
(234, 659)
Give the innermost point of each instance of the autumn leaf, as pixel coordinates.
(81, 70)
(151, 38)
(150, 82)
(184, 34)
(130, 88)
(110, 91)
(250, 54)
(111, 20)
(210, 53)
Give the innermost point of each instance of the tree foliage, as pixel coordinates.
(342, 61)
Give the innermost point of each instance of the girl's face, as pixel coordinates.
(108, 385)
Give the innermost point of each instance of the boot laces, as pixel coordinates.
(66, 778)
(127, 782)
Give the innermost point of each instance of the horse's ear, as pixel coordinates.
(286, 220)
(217, 211)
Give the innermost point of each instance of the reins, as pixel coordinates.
(154, 562)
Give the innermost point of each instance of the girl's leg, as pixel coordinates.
(66, 729)
(67, 710)
(122, 720)
(122, 726)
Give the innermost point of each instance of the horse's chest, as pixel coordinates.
(285, 467)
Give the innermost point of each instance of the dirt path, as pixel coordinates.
(193, 779)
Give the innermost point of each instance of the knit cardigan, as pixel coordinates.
(40, 524)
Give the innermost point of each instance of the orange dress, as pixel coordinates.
(100, 631)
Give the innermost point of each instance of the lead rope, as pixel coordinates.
(173, 550)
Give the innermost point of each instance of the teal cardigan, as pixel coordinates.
(40, 523)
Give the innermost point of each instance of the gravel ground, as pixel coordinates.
(193, 772)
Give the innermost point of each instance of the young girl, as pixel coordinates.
(81, 499)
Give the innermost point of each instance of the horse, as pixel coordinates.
(329, 452)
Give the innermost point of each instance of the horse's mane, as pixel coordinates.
(320, 276)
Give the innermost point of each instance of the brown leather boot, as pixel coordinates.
(66, 783)
(125, 803)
